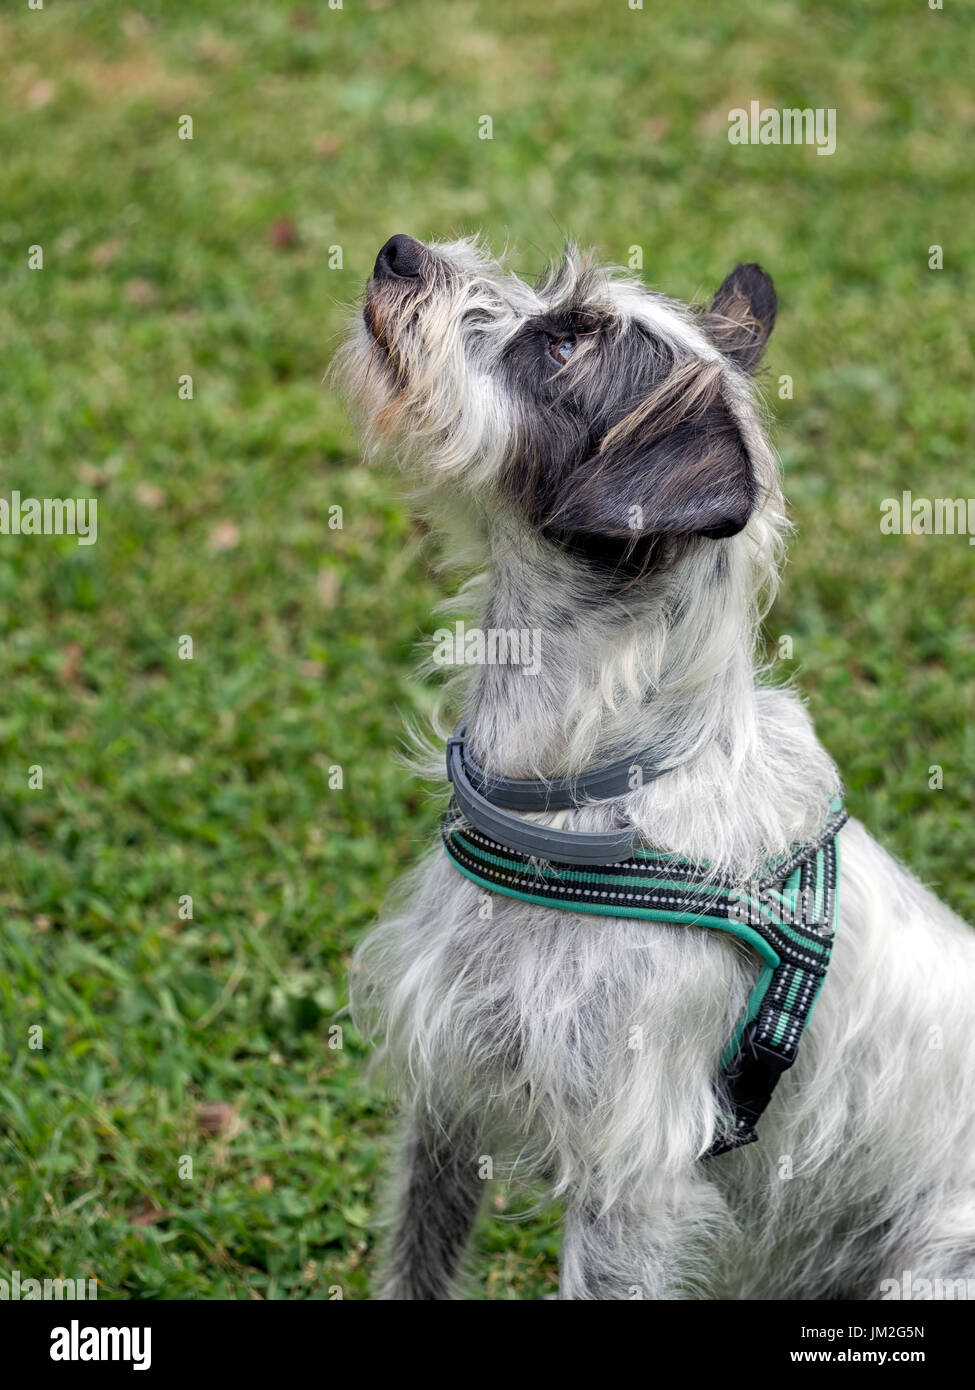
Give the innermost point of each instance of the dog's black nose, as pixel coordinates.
(400, 259)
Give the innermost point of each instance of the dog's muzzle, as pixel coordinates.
(398, 268)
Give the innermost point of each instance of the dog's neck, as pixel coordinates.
(667, 666)
(615, 667)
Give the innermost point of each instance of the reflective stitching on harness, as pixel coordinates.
(788, 917)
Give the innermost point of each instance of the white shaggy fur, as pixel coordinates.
(511, 1035)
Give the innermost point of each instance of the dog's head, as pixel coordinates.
(611, 418)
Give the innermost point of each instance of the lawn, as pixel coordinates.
(183, 1124)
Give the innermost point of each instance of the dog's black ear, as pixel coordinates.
(675, 465)
(742, 315)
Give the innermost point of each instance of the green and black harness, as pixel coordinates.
(788, 914)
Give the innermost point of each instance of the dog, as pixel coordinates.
(601, 448)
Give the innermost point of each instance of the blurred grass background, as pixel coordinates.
(316, 128)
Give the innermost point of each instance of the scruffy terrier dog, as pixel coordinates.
(557, 991)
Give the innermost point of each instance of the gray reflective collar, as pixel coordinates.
(480, 797)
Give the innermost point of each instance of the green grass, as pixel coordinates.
(164, 777)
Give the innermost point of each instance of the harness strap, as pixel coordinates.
(788, 917)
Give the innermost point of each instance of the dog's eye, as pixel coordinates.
(561, 349)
